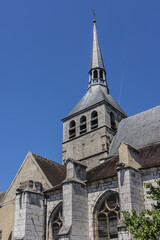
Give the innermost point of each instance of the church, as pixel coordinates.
(106, 159)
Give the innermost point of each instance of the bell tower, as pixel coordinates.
(89, 128)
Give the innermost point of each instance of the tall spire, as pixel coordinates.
(96, 56)
(97, 73)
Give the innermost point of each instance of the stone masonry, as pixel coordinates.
(93, 141)
(29, 212)
(75, 203)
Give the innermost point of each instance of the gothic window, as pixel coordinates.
(107, 218)
(56, 222)
(113, 123)
(94, 119)
(95, 74)
(83, 124)
(101, 74)
(72, 129)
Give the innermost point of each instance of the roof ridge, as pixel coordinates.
(140, 113)
(47, 159)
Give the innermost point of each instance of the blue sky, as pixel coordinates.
(45, 49)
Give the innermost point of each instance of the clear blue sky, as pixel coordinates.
(45, 49)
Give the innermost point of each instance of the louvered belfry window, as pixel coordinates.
(113, 122)
(94, 119)
(107, 218)
(72, 129)
(83, 124)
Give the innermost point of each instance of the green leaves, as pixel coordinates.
(146, 225)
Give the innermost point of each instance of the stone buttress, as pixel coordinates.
(75, 203)
(130, 184)
(29, 212)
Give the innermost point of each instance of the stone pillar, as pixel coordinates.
(29, 212)
(92, 74)
(130, 184)
(75, 203)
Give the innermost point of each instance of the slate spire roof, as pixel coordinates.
(95, 95)
(96, 56)
(98, 91)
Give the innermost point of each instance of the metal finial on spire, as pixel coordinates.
(94, 16)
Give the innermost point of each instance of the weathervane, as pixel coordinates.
(94, 16)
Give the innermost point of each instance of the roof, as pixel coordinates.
(55, 188)
(96, 56)
(139, 130)
(104, 170)
(54, 172)
(149, 157)
(94, 95)
(2, 195)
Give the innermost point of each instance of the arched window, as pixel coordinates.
(83, 124)
(107, 218)
(113, 123)
(94, 119)
(101, 74)
(95, 74)
(72, 129)
(55, 222)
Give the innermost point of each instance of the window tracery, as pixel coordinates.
(56, 221)
(107, 218)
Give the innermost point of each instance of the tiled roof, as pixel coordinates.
(139, 130)
(55, 188)
(54, 172)
(149, 157)
(104, 170)
(2, 195)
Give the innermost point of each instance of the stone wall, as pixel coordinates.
(93, 141)
(52, 203)
(75, 212)
(149, 175)
(7, 220)
(130, 190)
(29, 212)
(27, 170)
(95, 190)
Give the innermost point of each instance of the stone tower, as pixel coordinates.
(91, 125)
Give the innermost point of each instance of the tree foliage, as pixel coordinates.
(146, 225)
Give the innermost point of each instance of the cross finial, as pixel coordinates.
(94, 16)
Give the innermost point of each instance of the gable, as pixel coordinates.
(29, 170)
